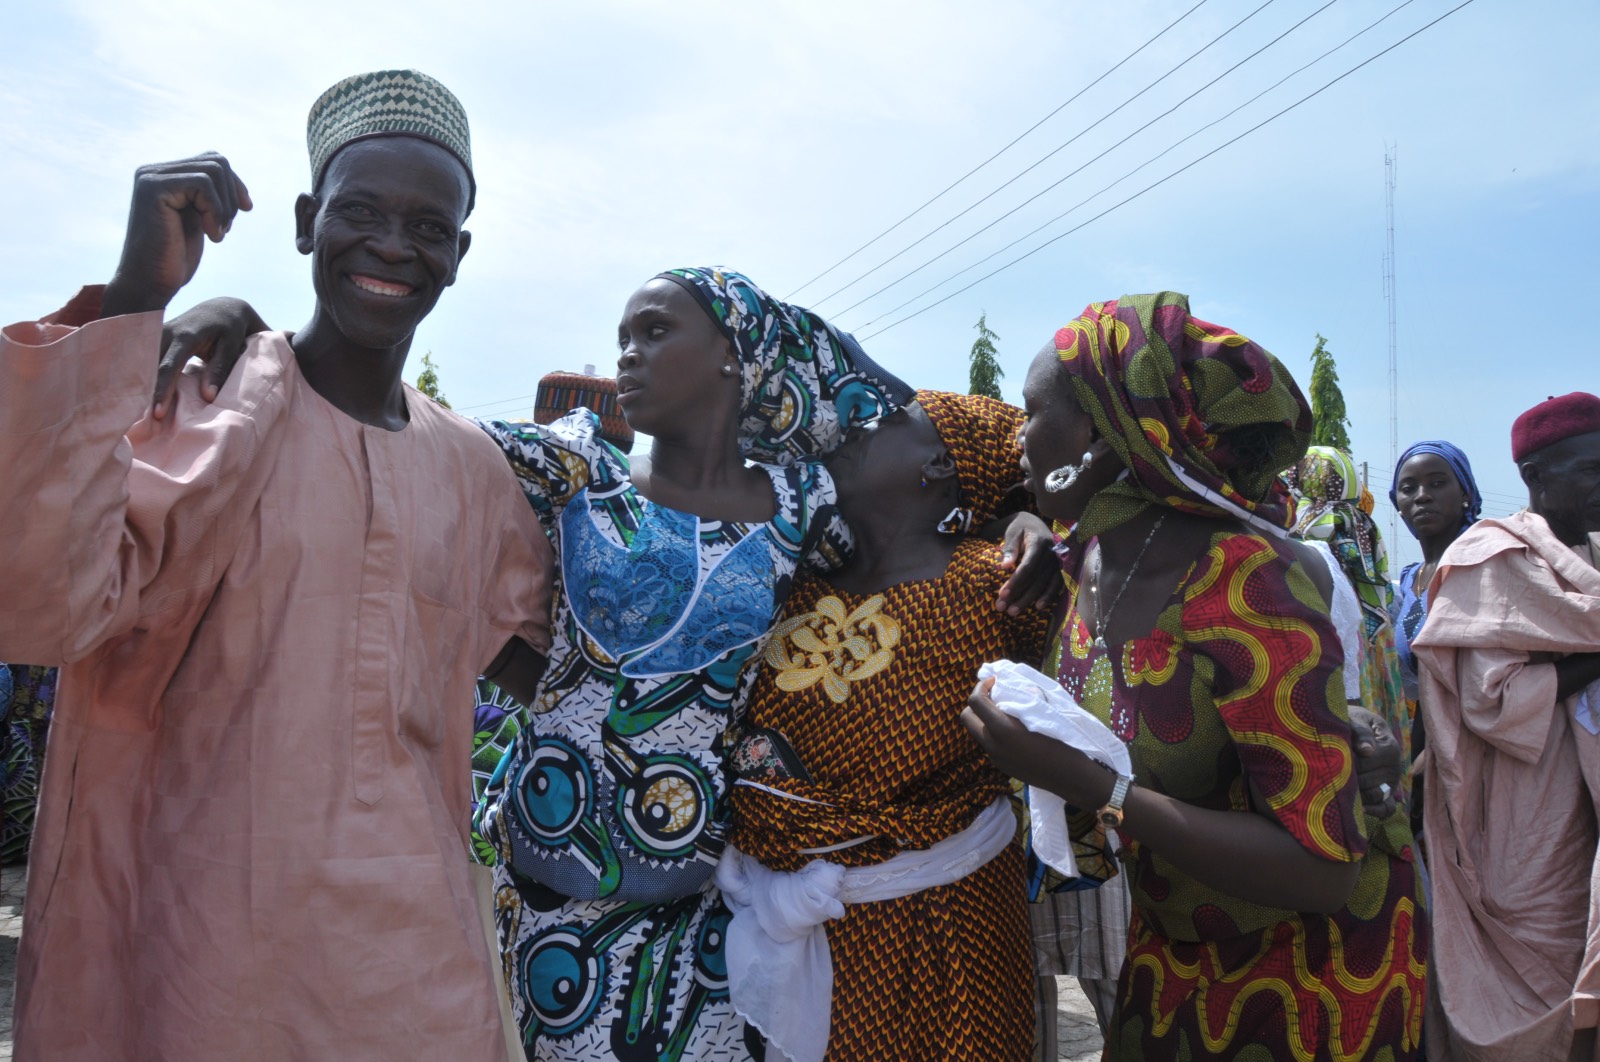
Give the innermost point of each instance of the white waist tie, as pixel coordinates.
(780, 972)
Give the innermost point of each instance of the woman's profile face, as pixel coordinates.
(881, 463)
(670, 359)
(1428, 496)
(1057, 432)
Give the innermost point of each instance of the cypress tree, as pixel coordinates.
(986, 371)
(1330, 423)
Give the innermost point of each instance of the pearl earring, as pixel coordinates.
(727, 370)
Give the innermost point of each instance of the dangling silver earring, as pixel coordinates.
(1062, 478)
(1067, 475)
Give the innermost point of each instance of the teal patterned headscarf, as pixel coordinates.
(805, 383)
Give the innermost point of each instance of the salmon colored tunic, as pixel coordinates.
(1513, 796)
(252, 838)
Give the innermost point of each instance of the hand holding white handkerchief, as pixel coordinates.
(1039, 703)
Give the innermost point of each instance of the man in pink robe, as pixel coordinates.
(1510, 684)
(253, 837)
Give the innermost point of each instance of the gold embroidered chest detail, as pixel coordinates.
(833, 647)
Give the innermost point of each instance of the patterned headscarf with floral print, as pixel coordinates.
(805, 383)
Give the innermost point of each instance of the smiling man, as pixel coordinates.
(272, 608)
(1510, 680)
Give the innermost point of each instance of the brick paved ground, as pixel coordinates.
(1078, 1036)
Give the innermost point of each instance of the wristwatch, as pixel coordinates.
(1110, 816)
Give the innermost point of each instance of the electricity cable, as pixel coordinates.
(996, 155)
(1174, 173)
(1040, 161)
(1046, 224)
(496, 402)
(1090, 162)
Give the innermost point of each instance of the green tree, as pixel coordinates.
(986, 371)
(1330, 425)
(428, 380)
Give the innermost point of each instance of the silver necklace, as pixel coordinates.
(1104, 618)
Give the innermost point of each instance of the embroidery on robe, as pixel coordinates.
(652, 603)
(832, 647)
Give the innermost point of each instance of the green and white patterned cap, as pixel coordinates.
(387, 103)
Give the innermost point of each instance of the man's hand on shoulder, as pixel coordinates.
(214, 331)
(176, 206)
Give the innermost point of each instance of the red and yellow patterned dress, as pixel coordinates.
(1233, 687)
(866, 692)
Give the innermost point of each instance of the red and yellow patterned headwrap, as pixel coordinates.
(981, 434)
(1203, 418)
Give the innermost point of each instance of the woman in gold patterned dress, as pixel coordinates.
(854, 757)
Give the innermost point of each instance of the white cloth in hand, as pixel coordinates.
(1039, 703)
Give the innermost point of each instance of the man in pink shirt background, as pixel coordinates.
(1510, 684)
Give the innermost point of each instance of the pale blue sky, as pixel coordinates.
(614, 139)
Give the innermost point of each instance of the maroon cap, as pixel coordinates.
(1554, 420)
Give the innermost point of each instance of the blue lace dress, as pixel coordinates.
(1408, 612)
(607, 815)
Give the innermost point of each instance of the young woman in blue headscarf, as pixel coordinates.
(606, 817)
(1435, 494)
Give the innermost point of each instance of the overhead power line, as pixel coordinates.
(1042, 159)
(1083, 202)
(1087, 163)
(516, 412)
(997, 154)
(1046, 157)
(1187, 166)
(497, 402)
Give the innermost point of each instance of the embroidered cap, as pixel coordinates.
(387, 103)
(1549, 422)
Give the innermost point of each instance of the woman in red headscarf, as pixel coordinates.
(1272, 917)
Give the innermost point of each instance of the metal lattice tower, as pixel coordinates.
(1391, 155)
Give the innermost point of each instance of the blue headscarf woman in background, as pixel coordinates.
(1435, 494)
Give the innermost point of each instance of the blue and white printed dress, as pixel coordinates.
(607, 816)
